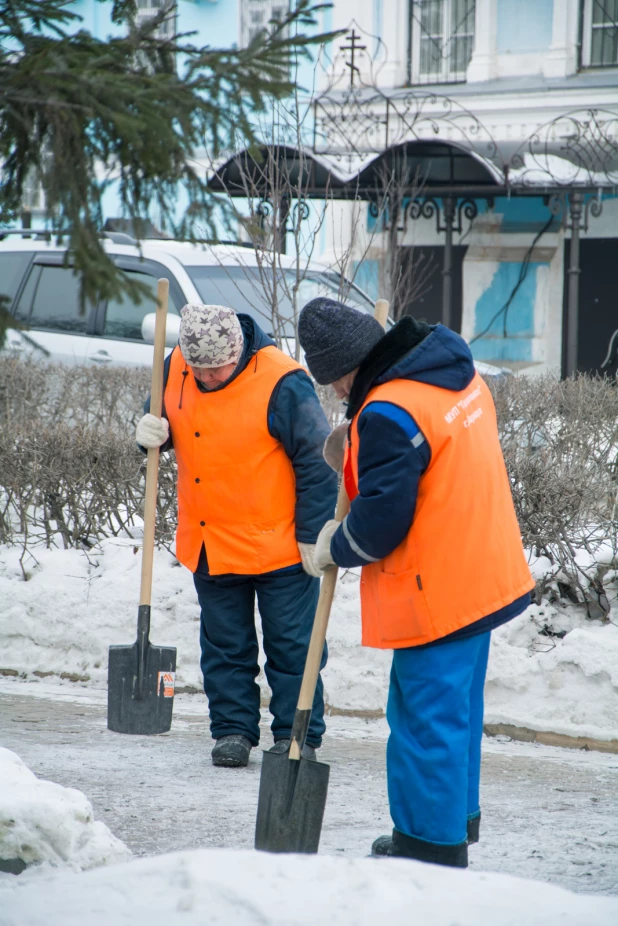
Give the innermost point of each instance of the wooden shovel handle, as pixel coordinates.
(380, 312)
(152, 465)
(325, 601)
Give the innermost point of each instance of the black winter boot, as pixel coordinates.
(474, 826)
(382, 846)
(282, 746)
(231, 751)
(401, 846)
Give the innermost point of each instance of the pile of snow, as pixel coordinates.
(74, 605)
(567, 685)
(43, 822)
(242, 888)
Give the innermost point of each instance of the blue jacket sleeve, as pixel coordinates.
(392, 456)
(296, 419)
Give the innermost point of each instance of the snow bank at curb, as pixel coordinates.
(43, 822)
(567, 686)
(243, 888)
(62, 621)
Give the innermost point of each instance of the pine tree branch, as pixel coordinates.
(82, 114)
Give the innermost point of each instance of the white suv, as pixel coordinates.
(43, 296)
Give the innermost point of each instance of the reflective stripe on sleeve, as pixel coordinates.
(355, 547)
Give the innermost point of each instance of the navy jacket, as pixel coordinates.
(393, 455)
(296, 419)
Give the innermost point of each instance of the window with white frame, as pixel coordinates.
(146, 9)
(600, 34)
(256, 14)
(441, 40)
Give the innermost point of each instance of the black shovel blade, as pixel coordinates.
(128, 709)
(291, 804)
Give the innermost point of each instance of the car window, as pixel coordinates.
(349, 291)
(241, 289)
(12, 269)
(334, 286)
(245, 289)
(123, 318)
(50, 300)
(24, 305)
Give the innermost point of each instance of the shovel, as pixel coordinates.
(293, 790)
(140, 678)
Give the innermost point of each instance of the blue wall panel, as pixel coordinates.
(96, 18)
(524, 25)
(520, 319)
(367, 275)
(216, 24)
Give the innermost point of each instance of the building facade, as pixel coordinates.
(525, 72)
(494, 77)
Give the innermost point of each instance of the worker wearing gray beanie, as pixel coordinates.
(429, 498)
(335, 338)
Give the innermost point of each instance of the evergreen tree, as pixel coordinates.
(78, 113)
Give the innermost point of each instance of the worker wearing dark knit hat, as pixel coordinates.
(335, 338)
(432, 524)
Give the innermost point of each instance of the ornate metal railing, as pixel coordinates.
(355, 119)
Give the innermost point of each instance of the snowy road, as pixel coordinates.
(548, 813)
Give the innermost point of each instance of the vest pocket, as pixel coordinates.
(402, 609)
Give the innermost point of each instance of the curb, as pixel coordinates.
(521, 734)
(526, 735)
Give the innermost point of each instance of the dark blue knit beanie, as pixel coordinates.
(335, 338)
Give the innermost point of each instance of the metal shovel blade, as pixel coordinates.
(146, 711)
(291, 804)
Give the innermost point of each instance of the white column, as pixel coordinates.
(395, 22)
(483, 64)
(561, 60)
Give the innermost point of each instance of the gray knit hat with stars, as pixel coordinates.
(210, 335)
(335, 338)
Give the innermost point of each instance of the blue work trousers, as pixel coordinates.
(287, 601)
(433, 757)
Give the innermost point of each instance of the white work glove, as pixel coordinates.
(334, 447)
(307, 555)
(323, 557)
(152, 431)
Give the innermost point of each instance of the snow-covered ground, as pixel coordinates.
(59, 624)
(548, 814)
(43, 823)
(236, 888)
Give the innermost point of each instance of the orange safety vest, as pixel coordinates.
(462, 558)
(236, 484)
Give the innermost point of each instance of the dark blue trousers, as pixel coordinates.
(433, 757)
(287, 601)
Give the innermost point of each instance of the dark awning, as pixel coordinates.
(418, 167)
(261, 171)
(427, 164)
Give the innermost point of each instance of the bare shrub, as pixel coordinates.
(334, 408)
(90, 396)
(71, 474)
(560, 443)
(70, 471)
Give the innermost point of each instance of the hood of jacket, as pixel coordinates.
(431, 354)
